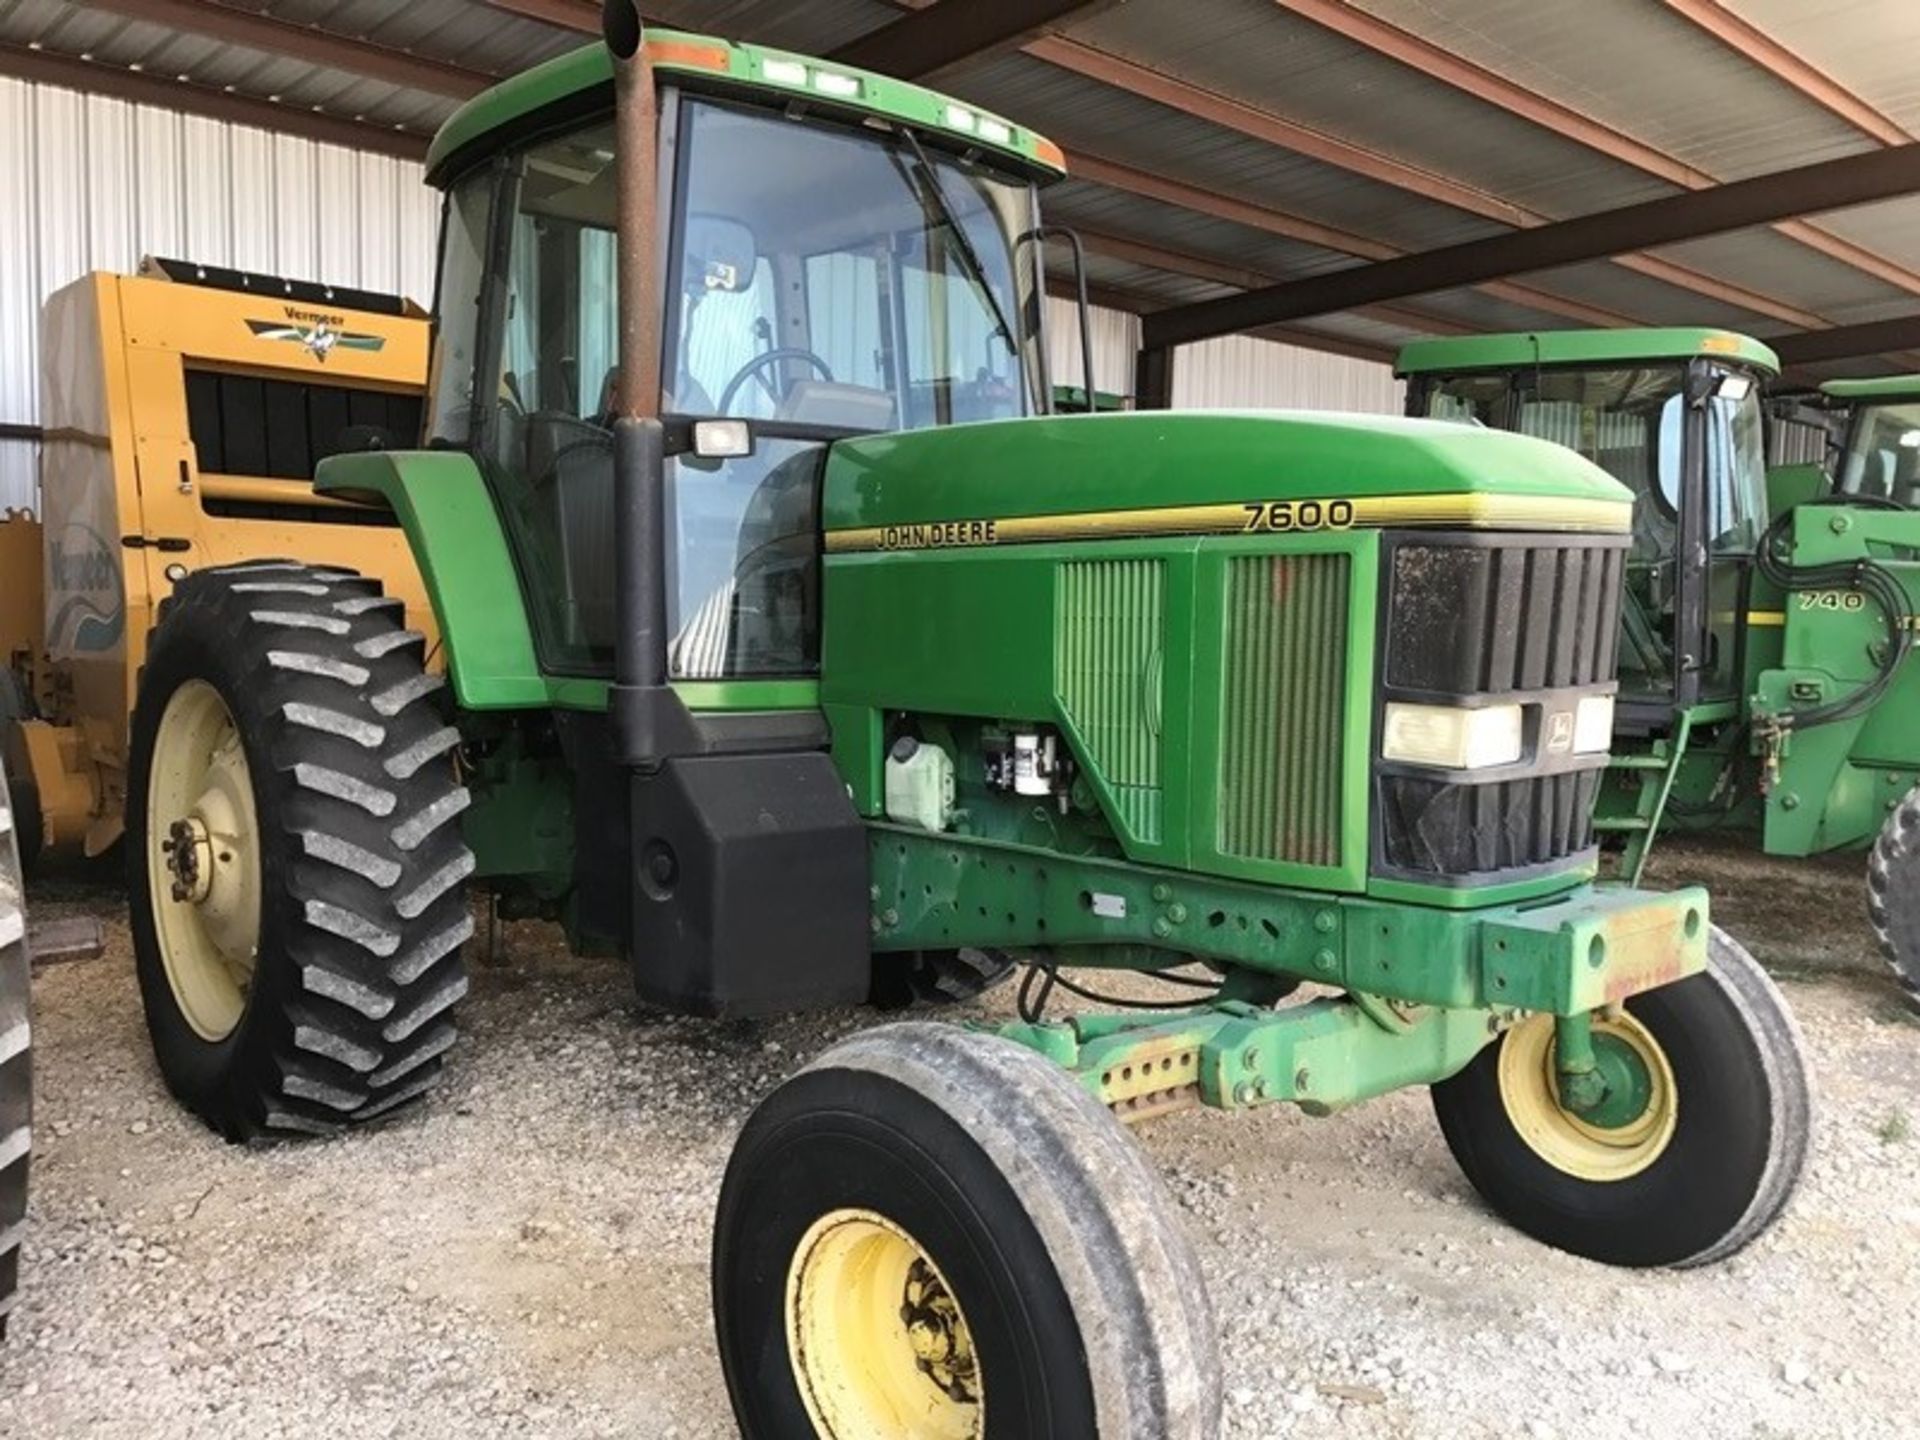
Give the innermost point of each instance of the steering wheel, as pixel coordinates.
(762, 362)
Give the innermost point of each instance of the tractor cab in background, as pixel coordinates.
(1675, 416)
(1876, 427)
(1768, 613)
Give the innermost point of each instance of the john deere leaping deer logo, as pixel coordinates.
(317, 331)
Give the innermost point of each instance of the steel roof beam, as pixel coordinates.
(146, 88)
(1292, 227)
(951, 32)
(1189, 99)
(1849, 342)
(580, 15)
(1737, 205)
(1383, 38)
(1218, 272)
(1780, 62)
(232, 25)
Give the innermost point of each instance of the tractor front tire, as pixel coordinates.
(930, 1226)
(1707, 1163)
(16, 1061)
(297, 872)
(1893, 895)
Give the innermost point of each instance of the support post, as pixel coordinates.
(1153, 379)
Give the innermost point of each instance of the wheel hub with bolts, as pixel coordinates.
(189, 852)
(1619, 1118)
(938, 1334)
(878, 1343)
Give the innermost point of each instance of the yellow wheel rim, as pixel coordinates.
(879, 1346)
(203, 859)
(1530, 1090)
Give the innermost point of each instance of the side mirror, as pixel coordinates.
(1673, 429)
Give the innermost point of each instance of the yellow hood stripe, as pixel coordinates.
(1465, 510)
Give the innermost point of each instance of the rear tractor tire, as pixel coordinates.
(1893, 895)
(932, 1234)
(1703, 1162)
(297, 872)
(16, 1061)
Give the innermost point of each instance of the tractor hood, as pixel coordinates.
(1202, 472)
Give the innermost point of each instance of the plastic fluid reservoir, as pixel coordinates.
(919, 785)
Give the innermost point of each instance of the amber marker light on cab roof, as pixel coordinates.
(683, 52)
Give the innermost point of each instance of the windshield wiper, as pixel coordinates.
(935, 198)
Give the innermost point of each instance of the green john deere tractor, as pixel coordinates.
(1767, 616)
(789, 642)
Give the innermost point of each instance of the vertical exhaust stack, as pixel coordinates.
(644, 710)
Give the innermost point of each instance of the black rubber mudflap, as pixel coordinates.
(16, 1061)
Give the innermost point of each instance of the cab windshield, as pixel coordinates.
(1882, 457)
(819, 280)
(1629, 420)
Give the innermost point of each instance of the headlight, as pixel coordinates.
(1452, 737)
(1593, 725)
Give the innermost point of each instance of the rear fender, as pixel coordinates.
(454, 530)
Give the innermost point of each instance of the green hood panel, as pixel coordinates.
(1580, 347)
(1170, 472)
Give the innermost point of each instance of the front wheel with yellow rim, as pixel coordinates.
(1689, 1143)
(932, 1234)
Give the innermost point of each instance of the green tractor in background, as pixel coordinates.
(1767, 615)
(789, 640)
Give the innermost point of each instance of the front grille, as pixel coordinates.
(1108, 643)
(1482, 618)
(1284, 682)
(1497, 616)
(1441, 828)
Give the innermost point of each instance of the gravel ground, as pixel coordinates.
(527, 1253)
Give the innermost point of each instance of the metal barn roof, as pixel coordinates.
(1221, 149)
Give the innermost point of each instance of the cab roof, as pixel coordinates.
(1886, 387)
(1580, 347)
(582, 75)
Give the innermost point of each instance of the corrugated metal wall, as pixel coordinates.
(89, 183)
(1243, 372)
(1116, 336)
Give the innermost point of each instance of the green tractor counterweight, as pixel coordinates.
(793, 644)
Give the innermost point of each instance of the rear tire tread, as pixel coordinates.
(16, 1060)
(1893, 895)
(358, 799)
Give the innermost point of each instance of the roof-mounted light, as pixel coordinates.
(784, 72)
(960, 118)
(843, 87)
(995, 132)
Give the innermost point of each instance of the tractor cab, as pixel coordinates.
(836, 256)
(1675, 415)
(1877, 425)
